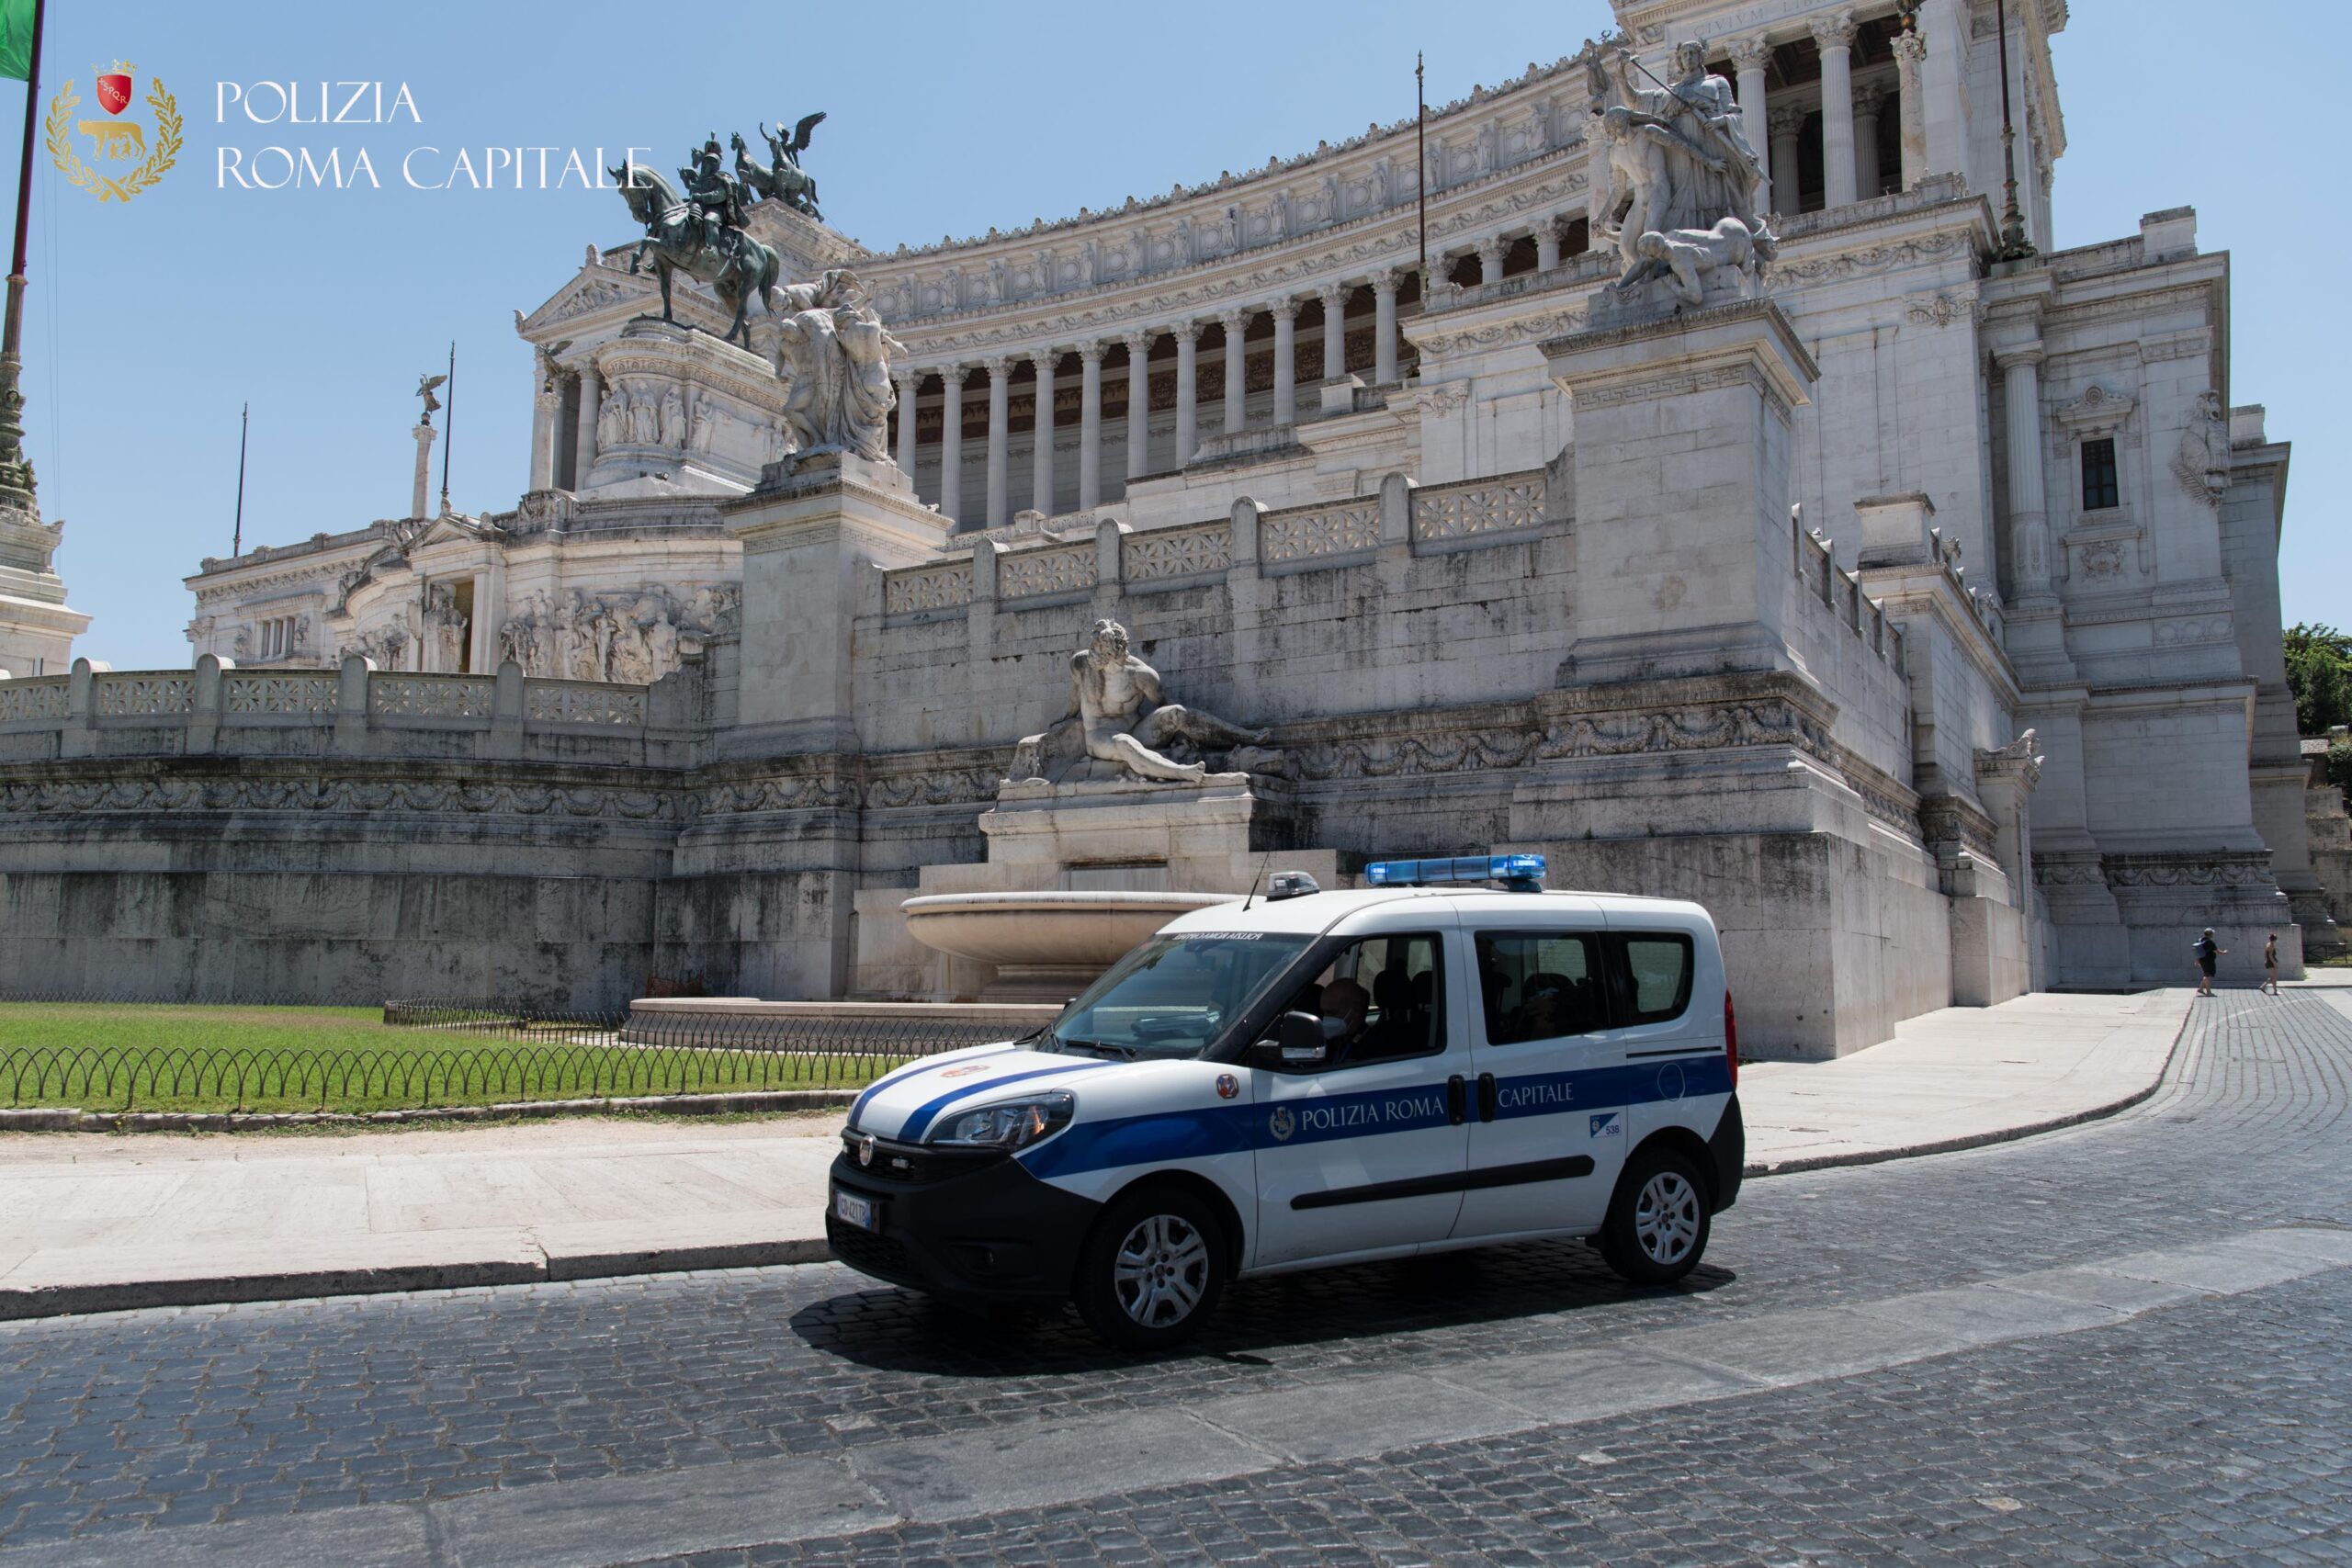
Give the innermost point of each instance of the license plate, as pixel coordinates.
(853, 1210)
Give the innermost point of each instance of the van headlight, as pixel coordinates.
(1008, 1123)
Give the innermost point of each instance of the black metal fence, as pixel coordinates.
(491, 1053)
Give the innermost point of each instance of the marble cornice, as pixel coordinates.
(1300, 266)
(1347, 157)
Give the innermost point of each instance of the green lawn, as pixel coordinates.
(118, 1057)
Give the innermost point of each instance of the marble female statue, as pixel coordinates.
(833, 356)
(641, 428)
(673, 418)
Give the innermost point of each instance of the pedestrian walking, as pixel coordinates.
(2209, 952)
(2270, 965)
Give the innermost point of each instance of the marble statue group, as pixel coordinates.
(1674, 178)
(825, 339)
(1118, 727)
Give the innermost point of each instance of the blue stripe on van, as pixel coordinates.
(903, 1074)
(921, 1120)
(1159, 1137)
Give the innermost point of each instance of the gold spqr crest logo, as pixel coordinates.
(113, 140)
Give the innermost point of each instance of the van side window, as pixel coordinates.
(1657, 976)
(1387, 994)
(1541, 985)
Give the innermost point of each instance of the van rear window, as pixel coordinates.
(1658, 967)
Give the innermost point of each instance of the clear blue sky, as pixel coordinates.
(149, 323)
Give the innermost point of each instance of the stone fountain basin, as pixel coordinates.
(1046, 942)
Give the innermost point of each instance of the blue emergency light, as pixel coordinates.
(1521, 874)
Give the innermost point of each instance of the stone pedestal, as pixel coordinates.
(686, 414)
(1077, 874)
(808, 531)
(1682, 445)
(37, 629)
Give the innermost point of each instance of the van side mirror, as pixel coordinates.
(1299, 1039)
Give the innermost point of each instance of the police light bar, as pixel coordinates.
(1521, 874)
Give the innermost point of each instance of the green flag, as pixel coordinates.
(17, 39)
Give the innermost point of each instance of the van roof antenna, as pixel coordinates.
(1256, 880)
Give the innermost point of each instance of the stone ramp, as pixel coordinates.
(95, 1223)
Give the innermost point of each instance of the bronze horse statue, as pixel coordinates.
(735, 271)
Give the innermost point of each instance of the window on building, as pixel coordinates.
(2099, 489)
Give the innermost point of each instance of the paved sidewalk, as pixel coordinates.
(96, 1221)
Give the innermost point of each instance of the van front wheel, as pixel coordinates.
(1151, 1272)
(1658, 1221)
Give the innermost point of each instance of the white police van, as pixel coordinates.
(1310, 1078)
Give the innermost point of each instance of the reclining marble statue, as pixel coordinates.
(1118, 728)
(1675, 179)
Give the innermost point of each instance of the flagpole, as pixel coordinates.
(449, 427)
(16, 474)
(1422, 180)
(237, 538)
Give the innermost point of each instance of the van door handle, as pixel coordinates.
(1455, 1110)
(1486, 1097)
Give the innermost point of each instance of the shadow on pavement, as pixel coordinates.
(900, 1330)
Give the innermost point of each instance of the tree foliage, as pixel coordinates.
(2319, 673)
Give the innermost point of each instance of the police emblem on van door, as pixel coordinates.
(1608, 1124)
(1280, 1124)
(1227, 1086)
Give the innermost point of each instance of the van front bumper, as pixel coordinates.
(969, 1223)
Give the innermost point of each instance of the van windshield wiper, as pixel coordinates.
(1122, 1053)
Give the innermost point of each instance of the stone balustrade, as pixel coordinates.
(216, 709)
(1322, 535)
(1840, 592)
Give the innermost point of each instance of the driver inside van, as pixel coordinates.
(1344, 1004)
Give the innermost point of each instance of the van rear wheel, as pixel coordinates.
(1657, 1221)
(1152, 1270)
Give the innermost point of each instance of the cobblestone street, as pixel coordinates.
(1788, 1418)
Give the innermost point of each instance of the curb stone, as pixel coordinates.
(70, 1120)
(60, 1301)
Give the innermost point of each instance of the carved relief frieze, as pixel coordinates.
(46, 796)
(1456, 511)
(944, 587)
(1319, 531)
(1178, 552)
(1028, 573)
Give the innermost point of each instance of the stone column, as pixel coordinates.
(1188, 351)
(1090, 426)
(1787, 122)
(908, 382)
(1384, 332)
(1490, 259)
(2028, 506)
(1000, 371)
(424, 434)
(951, 441)
(1236, 387)
(1867, 176)
(1909, 52)
(583, 441)
(1834, 34)
(544, 402)
(1749, 57)
(1943, 105)
(1547, 244)
(1285, 362)
(1041, 463)
(1139, 404)
(1335, 331)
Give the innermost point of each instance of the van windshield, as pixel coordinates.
(1174, 995)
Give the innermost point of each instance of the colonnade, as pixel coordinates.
(1230, 408)
(1850, 111)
